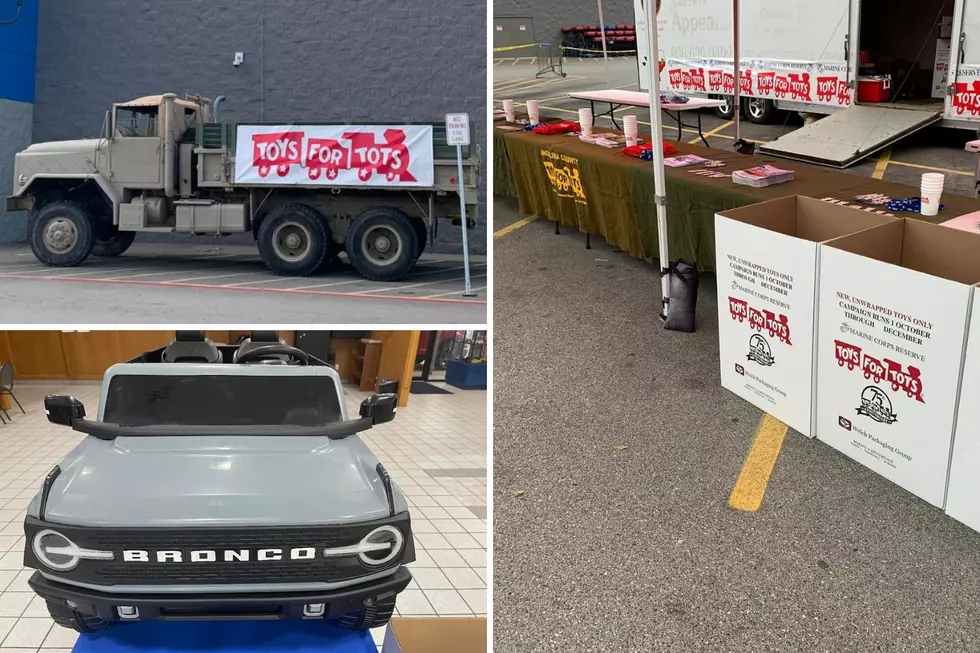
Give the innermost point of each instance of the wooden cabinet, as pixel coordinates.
(37, 355)
(366, 359)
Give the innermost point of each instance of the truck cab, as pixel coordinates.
(221, 483)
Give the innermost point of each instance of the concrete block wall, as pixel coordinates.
(18, 54)
(549, 16)
(312, 60)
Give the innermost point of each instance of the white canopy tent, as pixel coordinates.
(651, 10)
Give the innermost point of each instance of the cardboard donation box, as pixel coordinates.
(436, 635)
(963, 492)
(766, 258)
(890, 344)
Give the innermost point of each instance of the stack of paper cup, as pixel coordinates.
(585, 121)
(629, 128)
(533, 113)
(932, 191)
(509, 110)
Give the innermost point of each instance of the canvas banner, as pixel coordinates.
(335, 155)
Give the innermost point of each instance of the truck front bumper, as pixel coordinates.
(20, 203)
(212, 607)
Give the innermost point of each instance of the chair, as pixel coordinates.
(7, 385)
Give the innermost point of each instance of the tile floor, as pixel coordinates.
(435, 450)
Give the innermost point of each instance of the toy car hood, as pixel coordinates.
(217, 481)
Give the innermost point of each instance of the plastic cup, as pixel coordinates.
(585, 121)
(933, 177)
(533, 112)
(930, 202)
(509, 110)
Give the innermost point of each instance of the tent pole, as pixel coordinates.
(736, 103)
(657, 145)
(605, 51)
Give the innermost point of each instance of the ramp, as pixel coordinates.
(844, 138)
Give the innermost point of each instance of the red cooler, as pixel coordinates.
(875, 88)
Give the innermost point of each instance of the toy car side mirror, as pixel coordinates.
(380, 408)
(63, 409)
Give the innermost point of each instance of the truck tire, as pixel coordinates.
(370, 616)
(759, 111)
(68, 618)
(62, 234)
(725, 111)
(294, 240)
(113, 244)
(382, 244)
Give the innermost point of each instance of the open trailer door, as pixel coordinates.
(963, 94)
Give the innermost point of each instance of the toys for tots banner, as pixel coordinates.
(335, 155)
(795, 81)
(889, 349)
(765, 316)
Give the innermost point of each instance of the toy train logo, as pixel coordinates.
(777, 326)
(327, 157)
(901, 379)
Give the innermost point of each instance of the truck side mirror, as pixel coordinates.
(380, 408)
(62, 409)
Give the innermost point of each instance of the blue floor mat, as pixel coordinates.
(226, 637)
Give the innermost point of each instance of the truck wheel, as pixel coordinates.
(293, 240)
(370, 616)
(113, 244)
(61, 234)
(68, 618)
(759, 110)
(382, 244)
(724, 111)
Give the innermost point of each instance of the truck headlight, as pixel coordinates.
(56, 551)
(381, 545)
(22, 179)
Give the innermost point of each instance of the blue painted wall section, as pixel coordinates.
(18, 63)
(18, 51)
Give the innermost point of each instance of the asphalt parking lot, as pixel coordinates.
(613, 468)
(931, 150)
(154, 282)
(612, 522)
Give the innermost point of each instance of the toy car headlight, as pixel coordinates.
(21, 180)
(56, 551)
(380, 545)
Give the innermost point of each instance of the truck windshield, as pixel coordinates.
(146, 400)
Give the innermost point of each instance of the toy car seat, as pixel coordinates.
(191, 347)
(261, 339)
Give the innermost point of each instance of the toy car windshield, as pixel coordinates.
(151, 400)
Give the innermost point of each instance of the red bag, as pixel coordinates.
(563, 127)
(638, 150)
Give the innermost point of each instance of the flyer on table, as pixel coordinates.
(765, 304)
(890, 344)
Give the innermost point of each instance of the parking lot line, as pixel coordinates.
(416, 274)
(934, 168)
(416, 285)
(882, 164)
(215, 276)
(158, 272)
(202, 286)
(713, 132)
(455, 292)
(514, 226)
(752, 481)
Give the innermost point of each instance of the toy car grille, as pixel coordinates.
(152, 540)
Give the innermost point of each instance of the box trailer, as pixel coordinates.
(919, 58)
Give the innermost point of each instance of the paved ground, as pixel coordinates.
(933, 149)
(637, 550)
(192, 284)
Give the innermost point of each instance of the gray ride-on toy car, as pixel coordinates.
(219, 482)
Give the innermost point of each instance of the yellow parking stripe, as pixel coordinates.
(759, 463)
(933, 168)
(882, 164)
(513, 227)
(713, 132)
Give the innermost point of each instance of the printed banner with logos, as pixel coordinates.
(335, 155)
(890, 344)
(793, 81)
(964, 104)
(765, 318)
